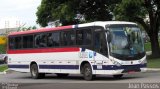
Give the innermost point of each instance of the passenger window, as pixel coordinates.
(97, 41)
(28, 41)
(11, 43)
(18, 42)
(54, 39)
(67, 38)
(100, 44)
(79, 37)
(88, 37)
(40, 40)
(83, 37)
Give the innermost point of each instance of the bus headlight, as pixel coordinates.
(116, 63)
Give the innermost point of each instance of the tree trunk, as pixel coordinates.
(154, 44)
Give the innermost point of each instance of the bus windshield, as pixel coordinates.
(126, 42)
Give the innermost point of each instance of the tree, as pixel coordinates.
(51, 10)
(95, 10)
(25, 28)
(66, 10)
(137, 10)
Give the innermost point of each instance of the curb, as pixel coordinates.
(148, 52)
(4, 72)
(153, 69)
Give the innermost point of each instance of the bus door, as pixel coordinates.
(100, 48)
(85, 41)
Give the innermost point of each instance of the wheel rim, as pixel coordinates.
(87, 72)
(34, 71)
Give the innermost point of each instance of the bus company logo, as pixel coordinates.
(90, 54)
(86, 54)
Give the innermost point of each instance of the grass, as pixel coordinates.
(153, 63)
(2, 48)
(147, 46)
(3, 68)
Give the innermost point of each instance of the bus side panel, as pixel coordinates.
(56, 62)
(17, 62)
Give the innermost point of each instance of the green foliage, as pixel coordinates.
(3, 48)
(66, 10)
(96, 9)
(130, 9)
(24, 28)
(51, 10)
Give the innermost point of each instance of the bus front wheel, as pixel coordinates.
(87, 72)
(35, 73)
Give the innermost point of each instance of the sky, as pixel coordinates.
(18, 12)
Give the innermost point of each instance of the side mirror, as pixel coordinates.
(109, 36)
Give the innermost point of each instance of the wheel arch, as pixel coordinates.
(33, 62)
(82, 65)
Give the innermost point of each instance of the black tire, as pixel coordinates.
(87, 72)
(119, 76)
(62, 75)
(35, 73)
(5, 60)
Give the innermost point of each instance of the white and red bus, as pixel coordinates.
(110, 47)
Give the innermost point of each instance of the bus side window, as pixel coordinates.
(79, 37)
(100, 43)
(83, 37)
(18, 42)
(54, 39)
(11, 43)
(50, 40)
(71, 38)
(40, 40)
(67, 38)
(37, 41)
(64, 38)
(97, 41)
(28, 41)
(87, 37)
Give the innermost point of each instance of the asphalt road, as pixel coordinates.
(24, 81)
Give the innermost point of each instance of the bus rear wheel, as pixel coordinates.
(87, 72)
(35, 73)
(5, 60)
(118, 76)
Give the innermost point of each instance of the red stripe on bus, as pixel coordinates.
(41, 30)
(43, 50)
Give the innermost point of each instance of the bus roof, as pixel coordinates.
(97, 23)
(40, 30)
